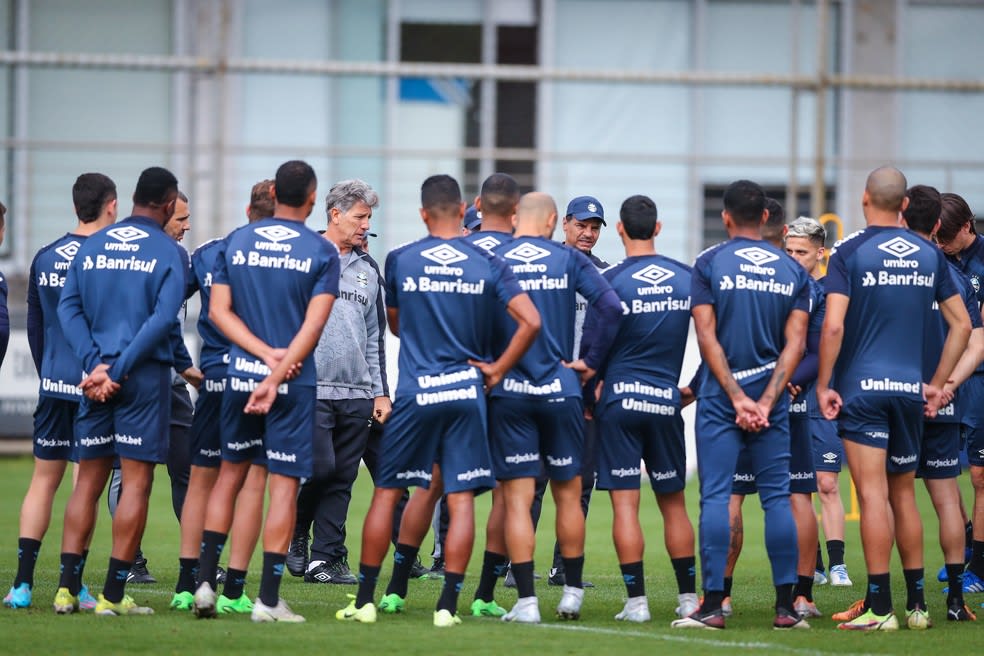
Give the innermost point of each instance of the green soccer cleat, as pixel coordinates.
(225, 605)
(366, 614)
(125, 606)
(392, 603)
(65, 602)
(917, 619)
(182, 601)
(443, 619)
(481, 608)
(868, 621)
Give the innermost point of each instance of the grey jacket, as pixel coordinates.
(350, 357)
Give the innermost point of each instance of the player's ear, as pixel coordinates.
(423, 215)
(765, 217)
(659, 226)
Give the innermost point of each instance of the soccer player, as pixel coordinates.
(443, 296)
(939, 458)
(121, 296)
(965, 248)
(805, 244)
(273, 288)
(536, 414)
(351, 388)
(881, 282)
(750, 303)
(205, 445)
(94, 198)
(639, 407)
(581, 226)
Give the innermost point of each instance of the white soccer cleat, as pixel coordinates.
(688, 604)
(569, 607)
(636, 610)
(205, 599)
(279, 613)
(526, 611)
(839, 577)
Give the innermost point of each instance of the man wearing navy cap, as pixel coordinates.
(472, 221)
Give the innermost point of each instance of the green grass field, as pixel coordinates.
(39, 630)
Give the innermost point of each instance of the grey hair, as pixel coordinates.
(346, 193)
(807, 228)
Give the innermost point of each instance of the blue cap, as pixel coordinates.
(473, 218)
(583, 208)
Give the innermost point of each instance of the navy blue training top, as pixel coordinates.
(122, 295)
(892, 277)
(753, 287)
(214, 356)
(449, 294)
(273, 268)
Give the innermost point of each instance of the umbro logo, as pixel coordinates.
(487, 242)
(653, 274)
(68, 250)
(830, 457)
(527, 253)
(444, 254)
(277, 233)
(899, 247)
(125, 234)
(755, 255)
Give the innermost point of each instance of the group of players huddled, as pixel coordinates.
(521, 359)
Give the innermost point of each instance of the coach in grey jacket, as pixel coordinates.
(352, 390)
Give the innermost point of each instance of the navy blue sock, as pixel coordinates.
(914, 583)
(835, 551)
(115, 585)
(367, 584)
(234, 583)
(493, 566)
(187, 573)
(27, 558)
(273, 573)
(574, 570)
(804, 588)
(523, 573)
(85, 557)
(208, 560)
(955, 578)
(403, 559)
(784, 597)
(634, 579)
(879, 598)
(69, 576)
(728, 581)
(712, 601)
(686, 574)
(450, 592)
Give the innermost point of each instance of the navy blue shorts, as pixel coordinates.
(206, 432)
(940, 454)
(972, 393)
(135, 423)
(627, 436)
(743, 481)
(828, 449)
(802, 475)
(524, 433)
(54, 429)
(885, 422)
(447, 427)
(282, 438)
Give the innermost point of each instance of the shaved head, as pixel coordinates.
(886, 189)
(536, 214)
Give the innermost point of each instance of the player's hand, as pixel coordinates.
(194, 376)
(262, 398)
(934, 400)
(598, 389)
(687, 397)
(748, 414)
(98, 386)
(275, 357)
(794, 390)
(586, 372)
(490, 372)
(382, 407)
(830, 402)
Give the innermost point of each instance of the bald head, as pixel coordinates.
(885, 189)
(536, 215)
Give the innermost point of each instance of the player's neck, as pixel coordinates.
(91, 228)
(881, 219)
(746, 232)
(496, 224)
(639, 247)
(444, 229)
(299, 214)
